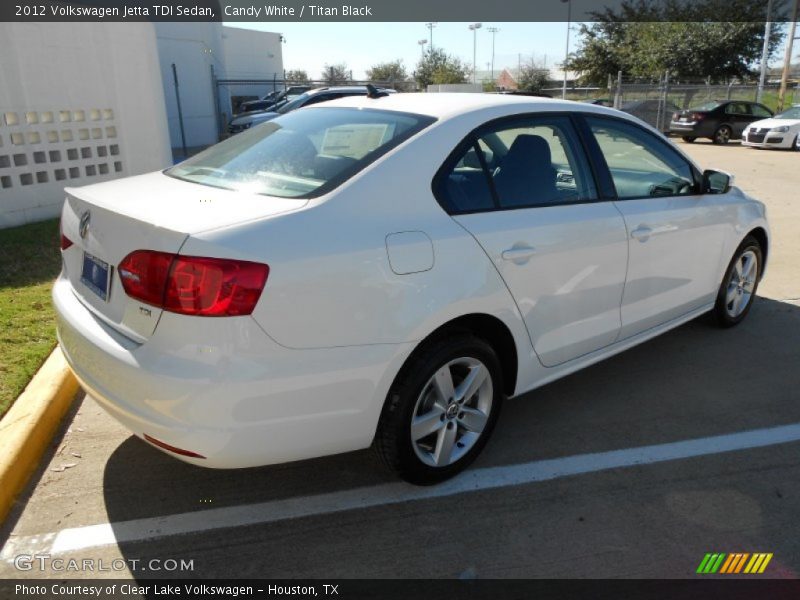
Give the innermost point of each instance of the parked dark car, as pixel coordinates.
(650, 112)
(719, 121)
(599, 102)
(245, 121)
(523, 93)
(273, 98)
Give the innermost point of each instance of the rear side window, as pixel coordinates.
(760, 111)
(641, 165)
(523, 163)
(301, 154)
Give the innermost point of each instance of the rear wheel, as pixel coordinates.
(440, 410)
(723, 135)
(688, 139)
(738, 289)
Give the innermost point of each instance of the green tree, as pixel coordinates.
(336, 74)
(532, 77)
(296, 76)
(393, 71)
(644, 38)
(439, 67)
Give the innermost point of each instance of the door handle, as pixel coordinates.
(518, 253)
(642, 233)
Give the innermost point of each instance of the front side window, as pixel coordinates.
(641, 165)
(737, 108)
(526, 162)
(301, 154)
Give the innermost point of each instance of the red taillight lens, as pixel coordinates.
(65, 241)
(698, 116)
(144, 275)
(193, 285)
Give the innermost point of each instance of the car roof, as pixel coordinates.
(446, 105)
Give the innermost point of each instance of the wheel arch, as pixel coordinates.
(492, 330)
(763, 240)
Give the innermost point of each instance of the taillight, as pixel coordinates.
(698, 116)
(193, 285)
(65, 241)
(144, 275)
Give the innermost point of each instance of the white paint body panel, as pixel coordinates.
(359, 277)
(788, 138)
(569, 290)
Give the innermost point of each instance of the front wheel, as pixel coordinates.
(440, 410)
(738, 289)
(723, 135)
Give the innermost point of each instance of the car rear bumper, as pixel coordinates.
(225, 390)
(690, 129)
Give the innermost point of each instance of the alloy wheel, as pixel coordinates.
(741, 284)
(452, 412)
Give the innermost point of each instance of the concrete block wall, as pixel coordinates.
(79, 103)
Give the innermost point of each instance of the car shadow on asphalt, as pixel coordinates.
(695, 381)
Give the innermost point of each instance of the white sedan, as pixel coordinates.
(384, 271)
(780, 131)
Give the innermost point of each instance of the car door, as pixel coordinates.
(675, 234)
(739, 116)
(524, 189)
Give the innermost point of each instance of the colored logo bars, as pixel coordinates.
(740, 562)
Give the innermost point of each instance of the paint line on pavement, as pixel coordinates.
(138, 530)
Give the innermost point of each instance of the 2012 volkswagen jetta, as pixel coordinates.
(386, 270)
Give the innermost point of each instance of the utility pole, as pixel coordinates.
(430, 27)
(566, 54)
(765, 52)
(787, 58)
(474, 28)
(493, 31)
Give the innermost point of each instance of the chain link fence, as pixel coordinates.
(655, 101)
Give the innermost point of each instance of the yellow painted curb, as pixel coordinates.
(27, 428)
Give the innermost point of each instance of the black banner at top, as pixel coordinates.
(392, 10)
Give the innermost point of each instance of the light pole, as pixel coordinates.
(474, 28)
(430, 27)
(493, 31)
(422, 47)
(765, 52)
(566, 53)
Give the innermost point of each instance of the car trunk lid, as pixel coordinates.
(105, 222)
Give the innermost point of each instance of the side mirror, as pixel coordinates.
(716, 182)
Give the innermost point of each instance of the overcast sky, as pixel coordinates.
(310, 46)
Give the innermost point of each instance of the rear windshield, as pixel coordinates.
(707, 106)
(293, 102)
(302, 154)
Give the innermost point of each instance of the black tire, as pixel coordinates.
(796, 143)
(722, 135)
(689, 139)
(722, 313)
(393, 443)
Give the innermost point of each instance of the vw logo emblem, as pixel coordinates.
(83, 228)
